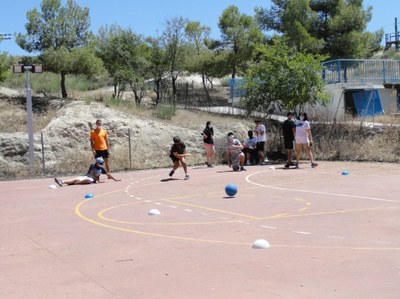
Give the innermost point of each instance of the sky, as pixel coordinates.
(147, 17)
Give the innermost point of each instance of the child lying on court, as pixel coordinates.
(178, 156)
(92, 176)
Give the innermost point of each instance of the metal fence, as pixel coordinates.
(377, 71)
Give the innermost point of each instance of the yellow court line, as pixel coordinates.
(77, 211)
(252, 218)
(327, 213)
(101, 216)
(315, 192)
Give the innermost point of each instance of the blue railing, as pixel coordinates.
(361, 71)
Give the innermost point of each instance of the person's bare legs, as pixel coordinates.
(107, 164)
(309, 153)
(210, 153)
(290, 154)
(77, 181)
(299, 148)
(184, 165)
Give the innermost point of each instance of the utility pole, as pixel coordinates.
(396, 34)
(36, 68)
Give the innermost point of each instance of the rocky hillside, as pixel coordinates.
(66, 147)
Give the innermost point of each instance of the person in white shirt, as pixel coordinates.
(304, 139)
(234, 154)
(250, 148)
(261, 135)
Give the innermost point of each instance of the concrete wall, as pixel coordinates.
(336, 106)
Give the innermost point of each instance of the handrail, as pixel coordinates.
(377, 71)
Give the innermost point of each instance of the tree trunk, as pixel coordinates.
(203, 79)
(64, 93)
(173, 89)
(158, 90)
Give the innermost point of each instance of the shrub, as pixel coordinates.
(164, 111)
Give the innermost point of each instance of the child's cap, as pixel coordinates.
(100, 160)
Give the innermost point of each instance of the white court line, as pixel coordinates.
(187, 210)
(270, 227)
(173, 207)
(159, 203)
(336, 237)
(316, 192)
(301, 233)
(383, 242)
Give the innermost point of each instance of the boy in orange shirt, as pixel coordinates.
(99, 143)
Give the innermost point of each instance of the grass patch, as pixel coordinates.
(165, 112)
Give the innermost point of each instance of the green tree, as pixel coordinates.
(240, 34)
(197, 36)
(173, 41)
(283, 79)
(126, 57)
(158, 65)
(5, 63)
(55, 31)
(334, 28)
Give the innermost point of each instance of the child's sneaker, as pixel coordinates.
(59, 182)
(297, 166)
(242, 168)
(186, 177)
(210, 165)
(313, 165)
(287, 165)
(171, 173)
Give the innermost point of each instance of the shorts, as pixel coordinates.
(208, 145)
(303, 140)
(104, 154)
(289, 144)
(84, 178)
(236, 159)
(260, 146)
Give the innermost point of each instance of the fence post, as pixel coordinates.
(129, 146)
(43, 168)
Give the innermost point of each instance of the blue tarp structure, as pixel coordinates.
(368, 103)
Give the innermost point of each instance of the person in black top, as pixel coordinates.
(208, 140)
(289, 132)
(178, 156)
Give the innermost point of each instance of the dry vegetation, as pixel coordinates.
(349, 141)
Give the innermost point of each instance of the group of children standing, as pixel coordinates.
(296, 134)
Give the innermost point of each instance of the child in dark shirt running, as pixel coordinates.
(178, 156)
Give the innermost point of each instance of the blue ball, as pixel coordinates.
(231, 189)
(89, 195)
(345, 173)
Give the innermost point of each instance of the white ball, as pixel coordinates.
(261, 244)
(154, 212)
(52, 187)
(272, 167)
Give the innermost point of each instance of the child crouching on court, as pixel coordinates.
(178, 156)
